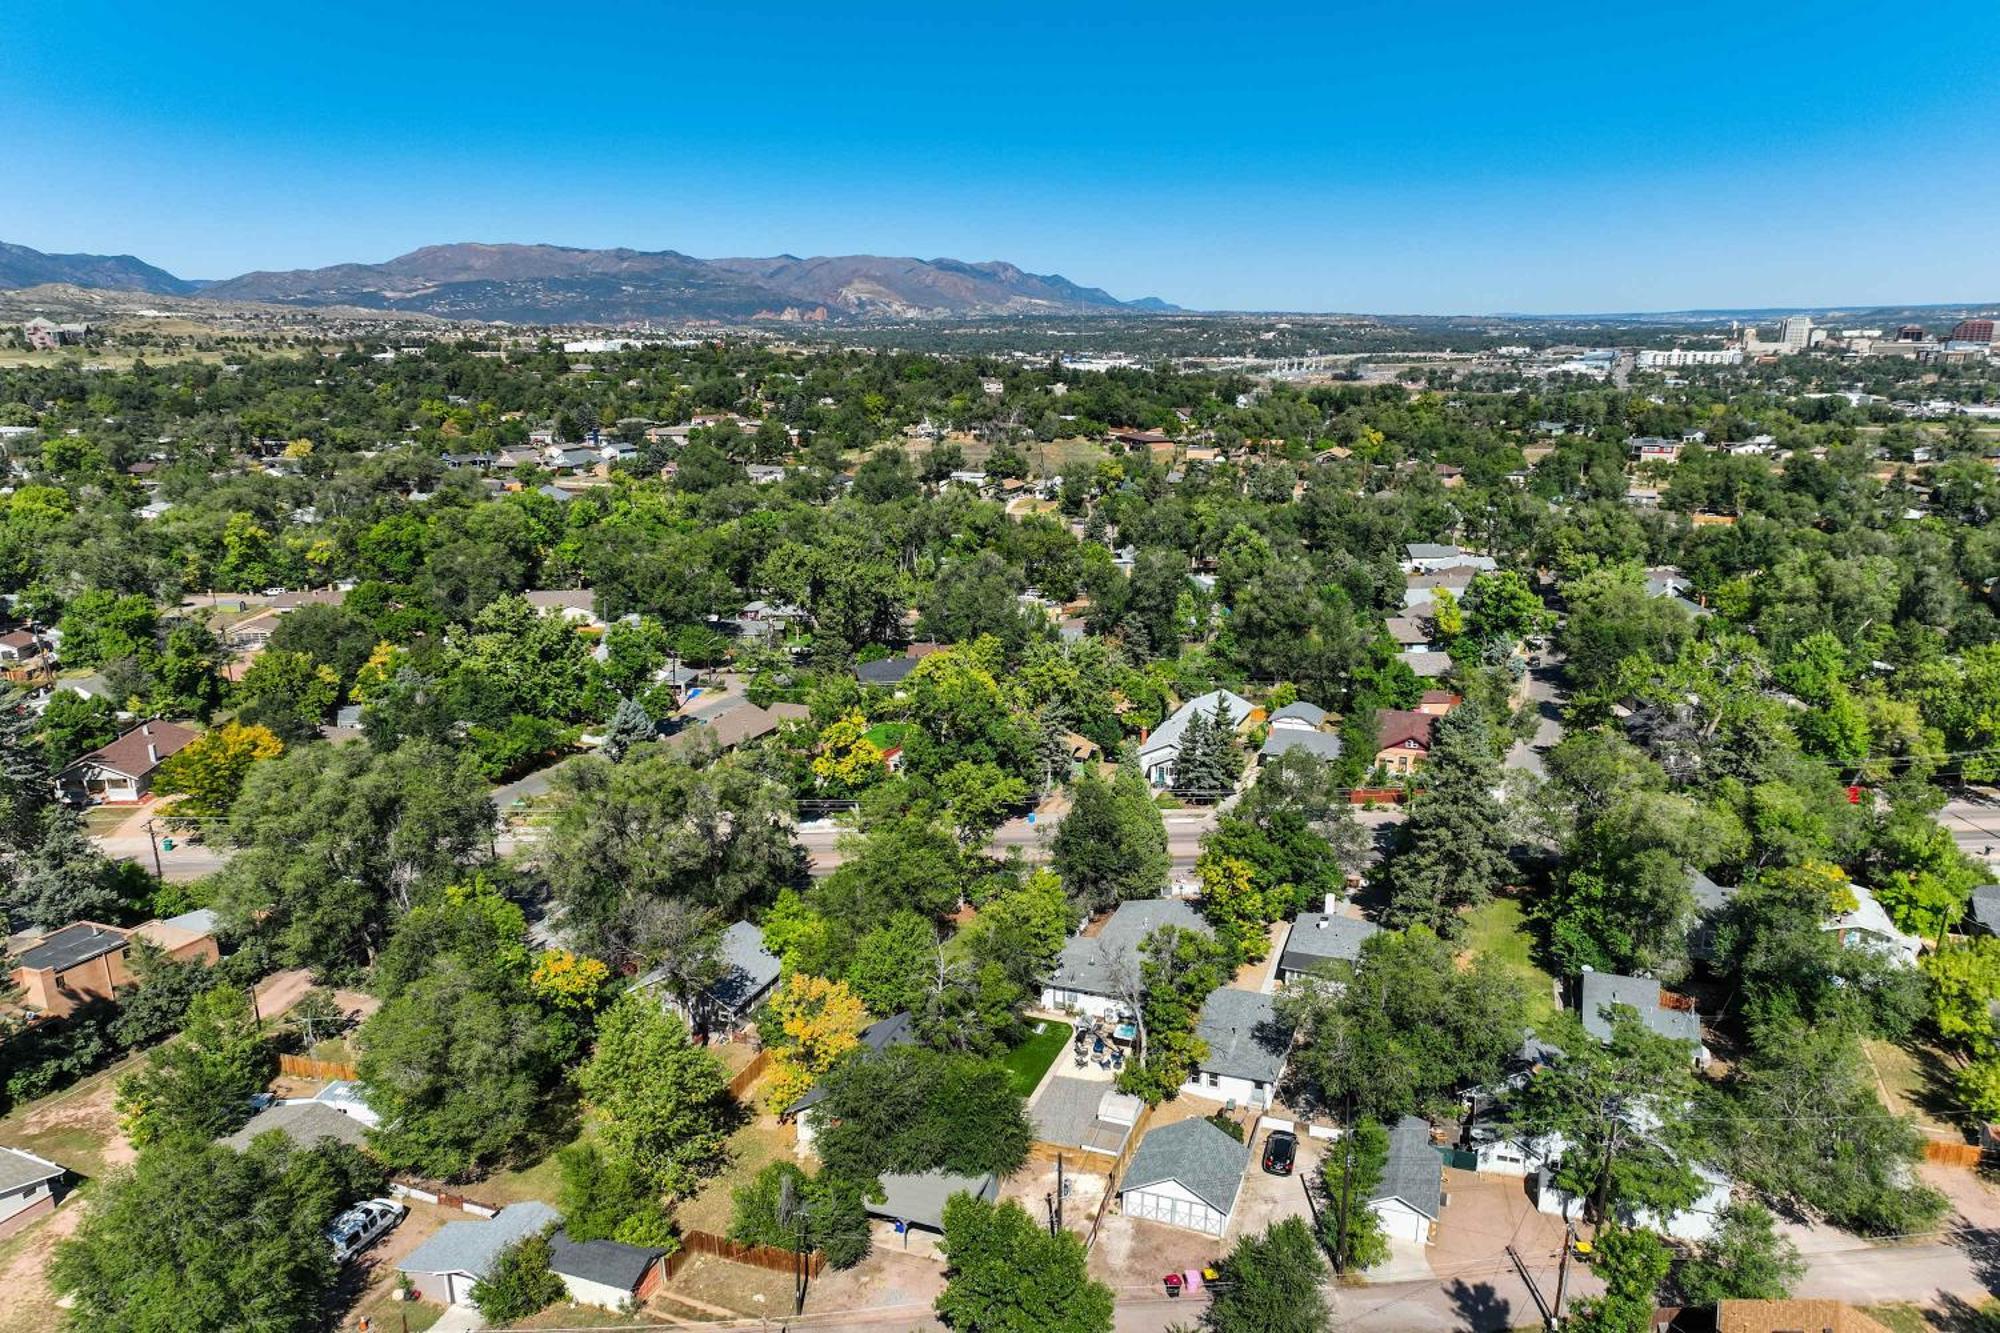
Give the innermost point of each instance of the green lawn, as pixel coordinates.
(1027, 1062)
(1500, 929)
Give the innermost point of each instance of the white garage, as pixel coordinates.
(1411, 1192)
(1185, 1175)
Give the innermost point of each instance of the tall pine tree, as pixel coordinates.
(1453, 850)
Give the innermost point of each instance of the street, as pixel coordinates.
(185, 860)
(1972, 816)
(1543, 690)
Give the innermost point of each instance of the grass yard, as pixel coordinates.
(539, 1180)
(751, 1148)
(1026, 1063)
(1915, 1081)
(1500, 929)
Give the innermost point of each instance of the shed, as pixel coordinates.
(606, 1273)
(28, 1186)
(1186, 1174)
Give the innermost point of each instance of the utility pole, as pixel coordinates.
(1562, 1271)
(1059, 1191)
(1346, 1190)
(154, 837)
(1548, 1315)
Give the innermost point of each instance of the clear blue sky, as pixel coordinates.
(1381, 157)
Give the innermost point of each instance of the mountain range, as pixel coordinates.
(553, 284)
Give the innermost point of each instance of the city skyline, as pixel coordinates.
(1336, 161)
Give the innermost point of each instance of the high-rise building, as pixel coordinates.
(1795, 333)
(1973, 331)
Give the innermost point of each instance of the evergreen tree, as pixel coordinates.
(630, 725)
(1453, 850)
(1208, 765)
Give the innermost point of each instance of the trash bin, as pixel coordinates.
(1173, 1284)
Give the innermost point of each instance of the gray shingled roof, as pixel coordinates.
(1168, 733)
(613, 1263)
(1310, 714)
(1283, 740)
(18, 1168)
(1196, 1155)
(1986, 907)
(305, 1123)
(1708, 895)
(1319, 937)
(920, 1199)
(1084, 964)
(1429, 551)
(895, 1030)
(1413, 1172)
(471, 1247)
(748, 968)
(885, 671)
(1245, 1038)
(1604, 989)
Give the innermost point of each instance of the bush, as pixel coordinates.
(521, 1283)
(1227, 1126)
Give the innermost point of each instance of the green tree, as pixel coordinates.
(782, 1205)
(1112, 845)
(660, 1102)
(1272, 1283)
(1633, 1264)
(1452, 851)
(1349, 1175)
(605, 1199)
(74, 724)
(288, 693)
(198, 1087)
(208, 773)
(199, 1237)
(1007, 1274)
(1745, 1259)
(99, 626)
(520, 1283)
(910, 1109)
(630, 725)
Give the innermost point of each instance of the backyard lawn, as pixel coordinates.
(1027, 1062)
(1500, 929)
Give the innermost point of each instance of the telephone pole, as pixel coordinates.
(153, 837)
(1550, 1319)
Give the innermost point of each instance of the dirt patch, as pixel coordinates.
(30, 1306)
(370, 1282)
(78, 1127)
(1132, 1256)
(887, 1280)
(1034, 1184)
(711, 1284)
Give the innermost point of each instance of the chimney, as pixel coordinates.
(152, 753)
(1332, 903)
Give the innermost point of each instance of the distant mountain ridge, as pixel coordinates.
(539, 284)
(22, 267)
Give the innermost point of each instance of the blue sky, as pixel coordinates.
(1383, 157)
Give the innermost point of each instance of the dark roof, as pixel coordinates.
(1087, 963)
(1195, 1155)
(1413, 1172)
(69, 947)
(1283, 740)
(748, 968)
(1394, 726)
(895, 1030)
(611, 1262)
(1320, 937)
(304, 1123)
(1245, 1038)
(140, 750)
(887, 671)
(1986, 907)
(1708, 895)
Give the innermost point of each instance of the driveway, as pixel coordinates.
(1265, 1199)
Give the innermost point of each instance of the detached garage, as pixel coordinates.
(1411, 1193)
(1186, 1175)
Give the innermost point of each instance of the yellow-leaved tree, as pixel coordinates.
(812, 1023)
(209, 771)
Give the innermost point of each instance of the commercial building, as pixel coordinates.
(1972, 331)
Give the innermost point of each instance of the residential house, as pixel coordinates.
(895, 1030)
(734, 721)
(444, 1268)
(1410, 1195)
(1711, 900)
(556, 493)
(1412, 630)
(1298, 716)
(87, 961)
(1158, 751)
(1868, 927)
(1438, 702)
(748, 975)
(1427, 557)
(123, 770)
(28, 1189)
(1696, 1222)
(1320, 942)
(917, 1201)
(1094, 974)
(1283, 740)
(1186, 1174)
(1425, 665)
(764, 474)
(1985, 909)
(887, 672)
(292, 601)
(1662, 1012)
(1422, 587)
(606, 1273)
(1402, 740)
(576, 605)
(303, 1122)
(19, 647)
(1247, 1044)
(1793, 1316)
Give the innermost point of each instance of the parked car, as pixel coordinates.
(362, 1225)
(1281, 1151)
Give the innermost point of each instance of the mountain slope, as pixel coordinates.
(22, 267)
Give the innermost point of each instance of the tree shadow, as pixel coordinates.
(1479, 1305)
(1955, 1314)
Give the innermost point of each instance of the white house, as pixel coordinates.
(1664, 1013)
(895, 1030)
(576, 605)
(1159, 750)
(122, 771)
(1696, 1222)
(1410, 1194)
(1186, 1174)
(1868, 927)
(1247, 1045)
(444, 1268)
(606, 1273)
(1319, 940)
(27, 1189)
(1094, 973)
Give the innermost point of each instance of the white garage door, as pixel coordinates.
(1174, 1212)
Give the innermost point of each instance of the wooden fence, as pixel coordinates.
(749, 1074)
(1117, 1172)
(1949, 1153)
(1379, 795)
(757, 1256)
(304, 1066)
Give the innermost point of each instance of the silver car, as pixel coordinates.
(360, 1226)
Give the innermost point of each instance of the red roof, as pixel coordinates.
(140, 750)
(1397, 727)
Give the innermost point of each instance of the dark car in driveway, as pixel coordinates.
(1281, 1151)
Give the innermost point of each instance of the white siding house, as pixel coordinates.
(27, 1189)
(1091, 975)
(1159, 750)
(1246, 1049)
(1410, 1195)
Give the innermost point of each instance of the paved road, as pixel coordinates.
(1184, 831)
(1545, 690)
(186, 861)
(1972, 817)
